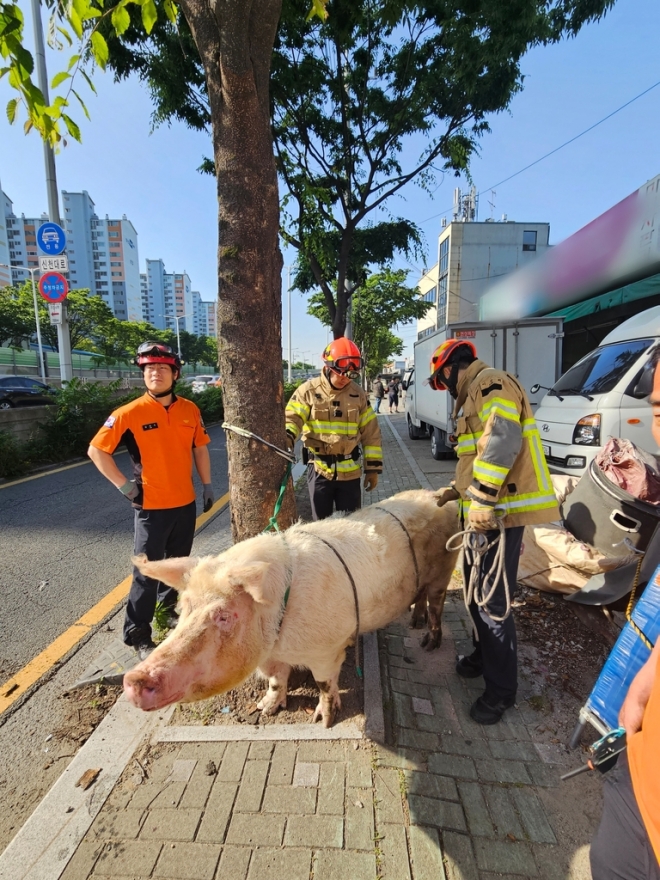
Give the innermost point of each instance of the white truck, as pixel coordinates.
(603, 395)
(529, 349)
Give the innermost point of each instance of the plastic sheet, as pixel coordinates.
(627, 657)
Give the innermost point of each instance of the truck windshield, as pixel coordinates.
(601, 369)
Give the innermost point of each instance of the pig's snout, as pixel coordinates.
(141, 689)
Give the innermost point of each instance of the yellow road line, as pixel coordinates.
(18, 684)
(44, 474)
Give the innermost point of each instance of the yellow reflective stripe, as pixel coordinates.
(293, 429)
(504, 407)
(342, 467)
(332, 427)
(465, 441)
(372, 452)
(492, 473)
(367, 416)
(300, 409)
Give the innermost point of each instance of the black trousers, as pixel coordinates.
(323, 493)
(159, 534)
(497, 646)
(621, 849)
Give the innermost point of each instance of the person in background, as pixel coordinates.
(164, 434)
(379, 394)
(502, 479)
(335, 419)
(393, 395)
(627, 843)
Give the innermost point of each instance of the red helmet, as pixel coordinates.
(343, 357)
(157, 353)
(440, 358)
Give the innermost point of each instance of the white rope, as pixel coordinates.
(285, 453)
(481, 586)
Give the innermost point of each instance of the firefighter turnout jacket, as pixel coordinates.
(334, 423)
(499, 448)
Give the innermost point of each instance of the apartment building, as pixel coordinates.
(5, 265)
(208, 318)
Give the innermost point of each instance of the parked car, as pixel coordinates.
(24, 391)
(199, 383)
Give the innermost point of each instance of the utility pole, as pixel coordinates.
(177, 318)
(63, 334)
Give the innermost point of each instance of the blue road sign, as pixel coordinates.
(51, 238)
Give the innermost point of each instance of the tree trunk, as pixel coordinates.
(235, 39)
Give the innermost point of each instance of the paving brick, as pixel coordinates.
(513, 751)
(358, 771)
(430, 785)
(420, 740)
(532, 814)
(452, 765)
(198, 789)
(256, 830)
(288, 800)
(502, 771)
(553, 864)
(403, 712)
(388, 795)
(394, 645)
(545, 775)
(233, 863)
(233, 761)
(432, 811)
(398, 673)
(162, 796)
(306, 775)
(260, 751)
(276, 864)
(503, 812)
(505, 857)
(129, 858)
(316, 831)
(162, 759)
(445, 710)
(82, 863)
(412, 688)
(475, 808)
(393, 845)
(282, 764)
(426, 854)
(359, 828)
(188, 861)
(252, 787)
(431, 724)
(169, 825)
(321, 750)
(458, 857)
(424, 707)
(331, 790)
(182, 770)
(111, 824)
(337, 865)
(459, 745)
(203, 752)
(216, 815)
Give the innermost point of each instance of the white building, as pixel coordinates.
(208, 318)
(5, 270)
(471, 257)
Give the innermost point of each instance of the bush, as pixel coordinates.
(13, 462)
(290, 387)
(209, 402)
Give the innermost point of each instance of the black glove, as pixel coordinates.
(130, 489)
(208, 497)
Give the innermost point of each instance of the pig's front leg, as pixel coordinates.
(329, 702)
(278, 678)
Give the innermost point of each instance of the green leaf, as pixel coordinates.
(171, 10)
(82, 103)
(88, 80)
(149, 15)
(59, 78)
(72, 128)
(76, 22)
(318, 10)
(11, 110)
(120, 19)
(73, 60)
(66, 35)
(28, 126)
(99, 50)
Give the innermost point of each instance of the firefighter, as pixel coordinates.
(335, 418)
(502, 479)
(164, 434)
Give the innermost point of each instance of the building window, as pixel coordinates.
(444, 256)
(114, 263)
(113, 235)
(529, 240)
(115, 274)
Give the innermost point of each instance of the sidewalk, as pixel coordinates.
(441, 797)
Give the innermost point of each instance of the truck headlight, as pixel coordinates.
(587, 431)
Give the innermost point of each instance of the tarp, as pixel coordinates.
(629, 293)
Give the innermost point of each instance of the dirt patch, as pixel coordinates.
(239, 706)
(85, 708)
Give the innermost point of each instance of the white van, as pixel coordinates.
(602, 396)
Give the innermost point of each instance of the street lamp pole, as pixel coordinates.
(177, 318)
(32, 270)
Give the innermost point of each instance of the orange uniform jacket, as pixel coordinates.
(160, 443)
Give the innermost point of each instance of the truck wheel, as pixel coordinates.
(413, 432)
(439, 449)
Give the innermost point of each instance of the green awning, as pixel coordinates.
(629, 293)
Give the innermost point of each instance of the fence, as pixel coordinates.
(26, 363)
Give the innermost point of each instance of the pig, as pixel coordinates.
(234, 618)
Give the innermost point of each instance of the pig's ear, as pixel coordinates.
(253, 579)
(173, 572)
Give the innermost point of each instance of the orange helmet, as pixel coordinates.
(343, 357)
(441, 357)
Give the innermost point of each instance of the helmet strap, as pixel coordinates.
(452, 381)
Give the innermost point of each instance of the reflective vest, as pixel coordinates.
(333, 423)
(499, 446)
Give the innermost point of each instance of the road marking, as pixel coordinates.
(18, 684)
(66, 467)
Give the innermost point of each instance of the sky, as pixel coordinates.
(151, 175)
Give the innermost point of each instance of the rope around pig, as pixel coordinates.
(478, 589)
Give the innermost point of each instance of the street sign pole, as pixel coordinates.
(42, 366)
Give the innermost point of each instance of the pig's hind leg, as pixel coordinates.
(278, 679)
(329, 701)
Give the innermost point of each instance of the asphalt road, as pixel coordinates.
(66, 540)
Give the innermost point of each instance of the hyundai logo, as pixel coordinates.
(545, 427)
